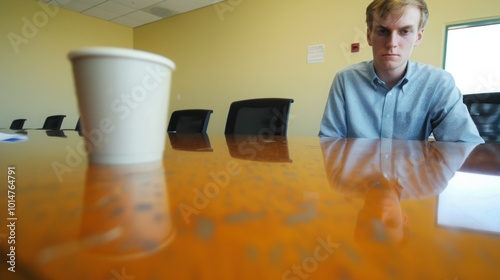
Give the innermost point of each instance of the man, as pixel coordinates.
(390, 96)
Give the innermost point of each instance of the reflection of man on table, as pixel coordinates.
(383, 172)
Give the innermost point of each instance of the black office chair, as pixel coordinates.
(189, 121)
(17, 124)
(53, 122)
(484, 109)
(266, 116)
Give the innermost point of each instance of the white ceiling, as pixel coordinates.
(131, 13)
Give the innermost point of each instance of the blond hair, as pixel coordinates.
(385, 7)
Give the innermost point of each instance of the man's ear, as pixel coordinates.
(420, 37)
(368, 36)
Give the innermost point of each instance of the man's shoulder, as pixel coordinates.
(427, 75)
(418, 67)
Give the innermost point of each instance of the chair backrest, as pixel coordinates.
(259, 116)
(53, 122)
(17, 124)
(484, 109)
(189, 121)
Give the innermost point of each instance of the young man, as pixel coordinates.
(390, 96)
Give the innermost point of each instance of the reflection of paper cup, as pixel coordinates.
(123, 98)
(126, 210)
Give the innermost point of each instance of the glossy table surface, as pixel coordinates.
(252, 208)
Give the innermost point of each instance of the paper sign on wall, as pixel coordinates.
(316, 53)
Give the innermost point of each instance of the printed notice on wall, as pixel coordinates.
(316, 53)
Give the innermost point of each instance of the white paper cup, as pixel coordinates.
(123, 98)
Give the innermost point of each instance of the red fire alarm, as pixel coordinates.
(354, 47)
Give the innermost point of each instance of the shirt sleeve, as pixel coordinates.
(454, 123)
(333, 123)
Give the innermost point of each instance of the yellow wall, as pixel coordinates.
(35, 75)
(244, 49)
(233, 50)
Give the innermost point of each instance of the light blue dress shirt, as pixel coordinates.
(424, 101)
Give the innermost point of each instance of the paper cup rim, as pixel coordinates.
(120, 52)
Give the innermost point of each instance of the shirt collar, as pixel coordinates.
(410, 69)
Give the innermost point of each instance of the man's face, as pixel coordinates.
(393, 38)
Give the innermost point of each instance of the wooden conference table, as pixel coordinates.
(252, 208)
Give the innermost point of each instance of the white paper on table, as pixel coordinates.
(12, 137)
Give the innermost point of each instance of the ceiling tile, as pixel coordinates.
(137, 4)
(135, 19)
(160, 11)
(74, 5)
(89, 2)
(178, 6)
(140, 11)
(202, 3)
(108, 10)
